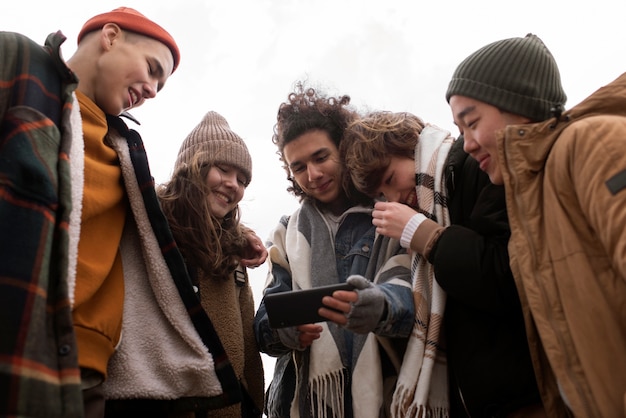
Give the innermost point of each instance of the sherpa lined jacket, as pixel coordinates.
(41, 164)
(565, 183)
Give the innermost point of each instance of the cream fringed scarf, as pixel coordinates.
(422, 388)
(322, 377)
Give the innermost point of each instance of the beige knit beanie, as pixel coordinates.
(212, 141)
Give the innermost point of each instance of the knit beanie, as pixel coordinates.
(516, 75)
(212, 141)
(133, 21)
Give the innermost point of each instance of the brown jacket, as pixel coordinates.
(230, 305)
(565, 187)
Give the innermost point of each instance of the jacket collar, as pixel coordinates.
(528, 145)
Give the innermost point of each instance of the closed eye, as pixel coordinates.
(297, 168)
(321, 158)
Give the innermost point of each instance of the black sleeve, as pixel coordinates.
(471, 261)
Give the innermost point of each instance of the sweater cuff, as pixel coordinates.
(410, 228)
(426, 236)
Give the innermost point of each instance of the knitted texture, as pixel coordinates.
(131, 20)
(212, 141)
(516, 75)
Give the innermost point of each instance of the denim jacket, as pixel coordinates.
(333, 258)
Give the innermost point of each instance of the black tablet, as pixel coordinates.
(297, 307)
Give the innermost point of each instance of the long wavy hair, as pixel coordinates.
(207, 242)
(372, 140)
(308, 110)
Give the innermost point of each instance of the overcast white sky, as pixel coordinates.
(242, 57)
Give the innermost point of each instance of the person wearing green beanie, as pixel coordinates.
(564, 174)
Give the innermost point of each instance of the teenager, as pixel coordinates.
(77, 198)
(154, 375)
(563, 173)
(347, 366)
(442, 207)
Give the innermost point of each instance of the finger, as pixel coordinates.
(332, 315)
(346, 295)
(251, 262)
(380, 205)
(306, 339)
(310, 328)
(336, 304)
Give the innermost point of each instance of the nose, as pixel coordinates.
(230, 180)
(150, 90)
(469, 144)
(314, 172)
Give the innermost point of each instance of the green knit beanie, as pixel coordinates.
(516, 75)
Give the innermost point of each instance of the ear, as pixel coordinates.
(109, 33)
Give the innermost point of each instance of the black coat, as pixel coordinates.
(487, 349)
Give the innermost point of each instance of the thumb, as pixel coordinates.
(359, 282)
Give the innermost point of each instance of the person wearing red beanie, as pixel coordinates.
(77, 228)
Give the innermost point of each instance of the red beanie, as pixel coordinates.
(131, 20)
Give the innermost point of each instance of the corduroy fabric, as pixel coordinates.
(132, 20)
(212, 141)
(516, 75)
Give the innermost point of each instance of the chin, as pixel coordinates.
(496, 179)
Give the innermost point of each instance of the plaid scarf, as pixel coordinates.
(422, 388)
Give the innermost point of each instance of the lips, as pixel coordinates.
(223, 197)
(133, 97)
(483, 163)
(322, 187)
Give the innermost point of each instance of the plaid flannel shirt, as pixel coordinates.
(39, 374)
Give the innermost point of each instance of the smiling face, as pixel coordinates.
(227, 185)
(398, 181)
(314, 162)
(132, 69)
(479, 122)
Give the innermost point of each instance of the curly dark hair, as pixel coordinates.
(305, 110)
(208, 243)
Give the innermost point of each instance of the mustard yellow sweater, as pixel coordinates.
(99, 294)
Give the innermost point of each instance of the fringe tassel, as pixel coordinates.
(327, 395)
(404, 406)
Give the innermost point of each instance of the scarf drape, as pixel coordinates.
(422, 389)
(321, 391)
